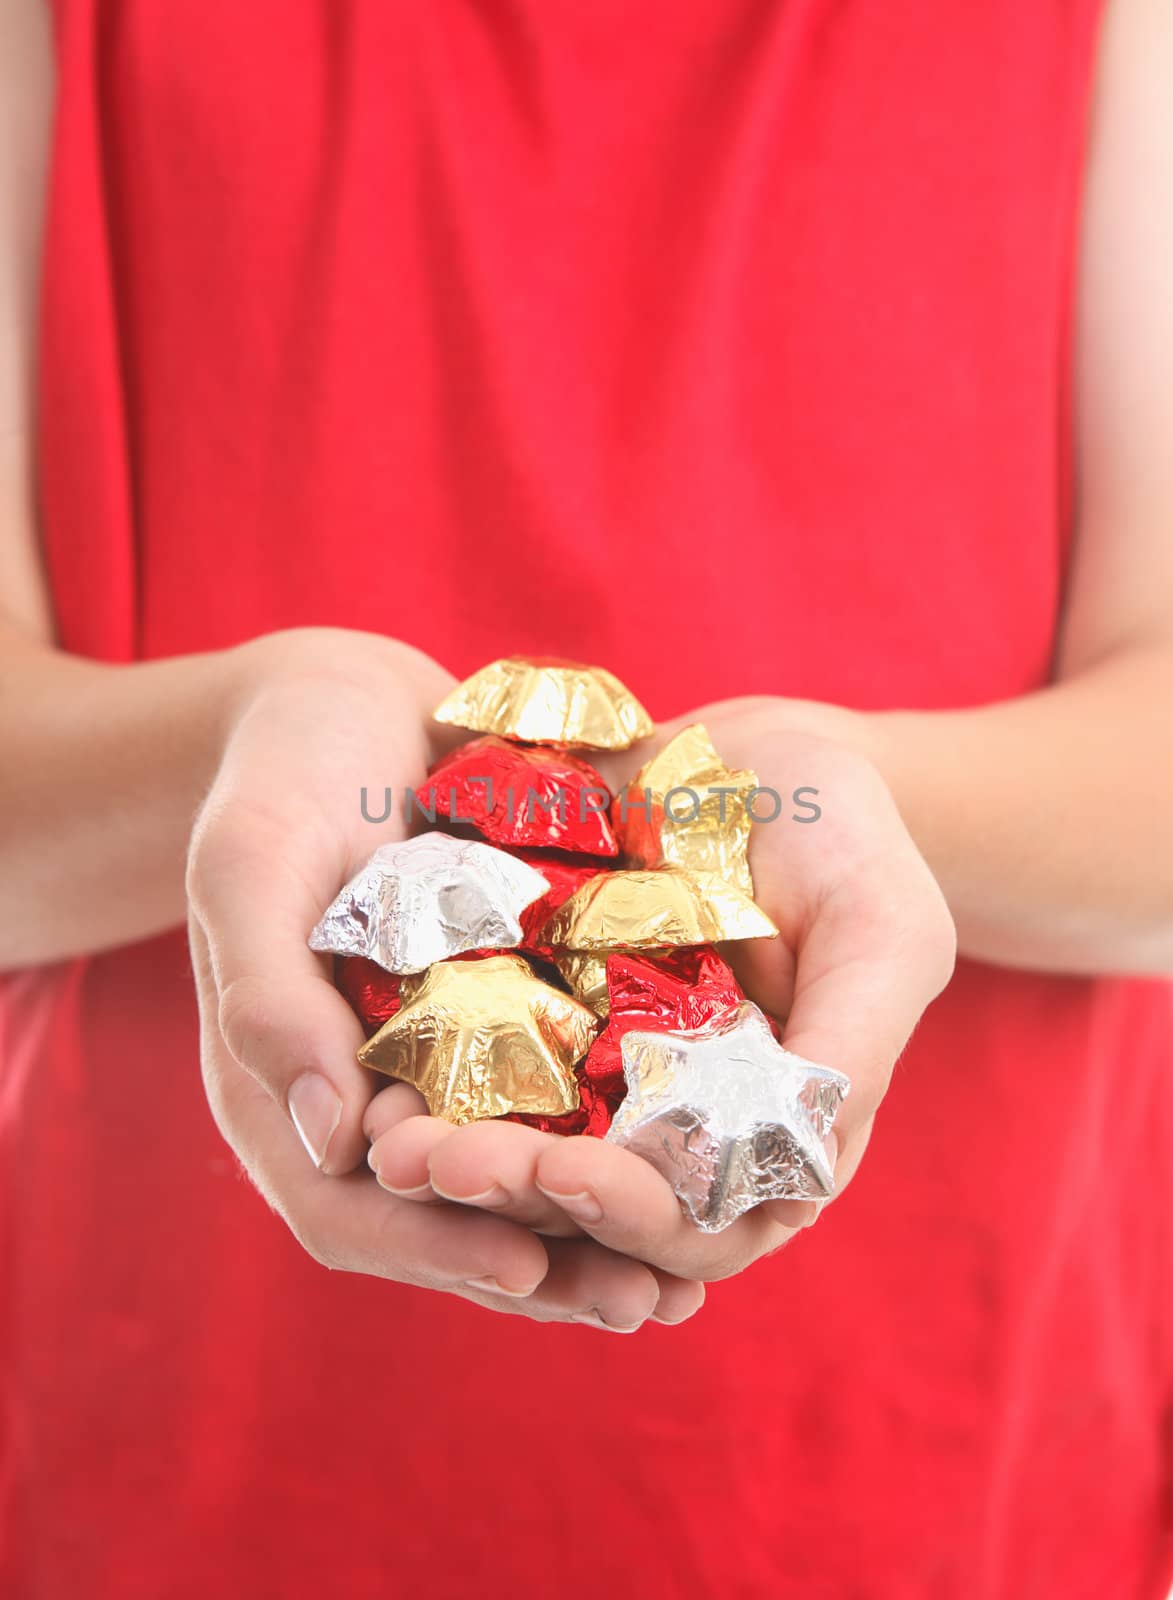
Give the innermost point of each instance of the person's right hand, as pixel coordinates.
(281, 830)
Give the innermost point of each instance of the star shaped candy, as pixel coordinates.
(482, 1038)
(665, 991)
(526, 796)
(639, 910)
(542, 700)
(428, 898)
(686, 808)
(728, 1116)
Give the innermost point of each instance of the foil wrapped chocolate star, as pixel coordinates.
(529, 796)
(428, 898)
(728, 1116)
(641, 909)
(482, 1038)
(685, 807)
(564, 875)
(546, 701)
(375, 995)
(670, 991)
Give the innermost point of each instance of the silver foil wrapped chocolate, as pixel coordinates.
(728, 1116)
(425, 899)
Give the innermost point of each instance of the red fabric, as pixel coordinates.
(539, 308)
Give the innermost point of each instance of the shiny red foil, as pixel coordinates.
(373, 994)
(533, 796)
(376, 995)
(668, 993)
(592, 1118)
(564, 877)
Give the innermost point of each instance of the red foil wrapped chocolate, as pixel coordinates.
(564, 878)
(373, 993)
(529, 796)
(592, 1118)
(676, 991)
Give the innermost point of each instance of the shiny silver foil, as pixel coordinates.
(428, 898)
(728, 1116)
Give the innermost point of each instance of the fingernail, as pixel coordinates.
(495, 1195)
(491, 1286)
(316, 1111)
(592, 1319)
(582, 1207)
(674, 1322)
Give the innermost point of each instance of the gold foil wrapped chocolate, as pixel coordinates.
(666, 906)
(586, 973)
(686, 808)
(545, 701)
(481, 1038)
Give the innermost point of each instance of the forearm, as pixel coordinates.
(103, 769)
(1048, 820)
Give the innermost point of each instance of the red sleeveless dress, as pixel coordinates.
(725, 342)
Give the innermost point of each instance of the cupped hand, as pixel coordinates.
(321, 714)
(866, 943)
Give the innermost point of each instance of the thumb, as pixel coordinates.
(272, 999)
(880, 949)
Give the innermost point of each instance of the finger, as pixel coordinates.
(402, 1134)
(399, 1157)
(879, 951)
(391, 1106)
(350, 1223)
(680, 1298)
(622, 1202)
(587, 1284)
(486, 1164)
(494, 1165)
(276, 1006)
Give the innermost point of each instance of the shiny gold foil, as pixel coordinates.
(664, 906)
(586, 973)
(480, 1038)
(705, 830)
(547, 702)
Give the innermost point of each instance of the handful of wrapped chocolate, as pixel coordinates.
(555, 962)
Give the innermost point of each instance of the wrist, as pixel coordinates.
(310, 658)
(862, 732)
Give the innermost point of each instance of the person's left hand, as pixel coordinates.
(866, 943)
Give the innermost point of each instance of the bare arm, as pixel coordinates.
(1048, 820)
(26, 88)
(102, 767)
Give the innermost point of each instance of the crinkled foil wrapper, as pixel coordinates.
(660, 991)
(565, 876)
(665, 906)
(586, 973)
(522, 796)
(546, 701)
(374, 994)
(728, 1116)
(479, 1039)
(704, 826)
(428, 898)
